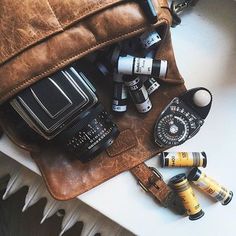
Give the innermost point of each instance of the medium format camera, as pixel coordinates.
(65, 108)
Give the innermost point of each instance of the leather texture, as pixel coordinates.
(76, 28)
(152, 182)
(30, 51)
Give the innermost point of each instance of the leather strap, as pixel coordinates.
(151, 181)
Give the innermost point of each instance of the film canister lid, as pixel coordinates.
(194, 174)
(178, 178)
(197, 216)
(125, 64)
(163, 68)
(204, 164)
(228, 200)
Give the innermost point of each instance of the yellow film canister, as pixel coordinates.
(181, 185)
(183, 159)
(210, 186)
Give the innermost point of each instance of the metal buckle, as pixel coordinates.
(156, 173)
(178, 7)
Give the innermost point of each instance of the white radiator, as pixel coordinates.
(75, 210)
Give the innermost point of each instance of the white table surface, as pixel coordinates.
(205, 48)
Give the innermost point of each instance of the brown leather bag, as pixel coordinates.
(39, 38)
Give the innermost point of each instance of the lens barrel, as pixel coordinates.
(91, 136)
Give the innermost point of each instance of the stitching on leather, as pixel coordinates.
(8, 56)
(4, 54)
(33, 40)
(64, 62)
(54, 14)
(119, 149)
(28, 44)
(92, 11)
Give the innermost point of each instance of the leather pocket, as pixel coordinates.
(48, 38)
(71, 11)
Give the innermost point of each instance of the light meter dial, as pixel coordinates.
(177, 123)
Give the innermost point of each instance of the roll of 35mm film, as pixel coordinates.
(183, 159)
(210, 186)
(181, 185)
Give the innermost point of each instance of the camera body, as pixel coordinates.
(64, 107)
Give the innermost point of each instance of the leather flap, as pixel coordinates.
(36, 20)
(23, 23)
(40, 37)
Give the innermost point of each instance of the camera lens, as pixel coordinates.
(65, 108)
(94, 133)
